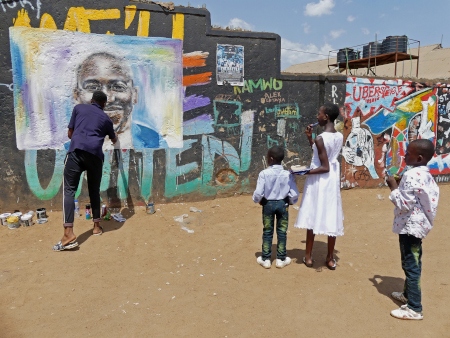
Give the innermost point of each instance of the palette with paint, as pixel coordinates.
(300, 169)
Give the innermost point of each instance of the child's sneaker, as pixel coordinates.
(404, 312)
(281, 264)
(264, 263)
(400, 297)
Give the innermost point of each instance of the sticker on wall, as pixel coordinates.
(53, 70)
(230, 65)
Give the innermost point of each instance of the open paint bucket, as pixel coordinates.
(13, 222)
(3, 218)
(41, 213)
(27, 220)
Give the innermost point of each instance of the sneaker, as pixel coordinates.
(404, 312)
(400, 297)
(264, 263)
(281, 264)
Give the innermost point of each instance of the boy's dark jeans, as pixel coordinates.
(411, 253)
(270, 210)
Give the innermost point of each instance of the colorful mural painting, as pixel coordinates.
(142, 78)
(183, 135)
(381, 118)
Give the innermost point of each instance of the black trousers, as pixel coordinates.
(76, 162)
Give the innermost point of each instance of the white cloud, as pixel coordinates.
(365, 31)
(350, 18)
(239, 23)
(318, 9)
(306, 28)
(293, 52)
(337, 33)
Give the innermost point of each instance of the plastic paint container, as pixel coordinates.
(3, 218)
(41, 213)
(13, 222)
(27, 220)
(150, 208)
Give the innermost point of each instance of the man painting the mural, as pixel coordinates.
(88, 127)
(111, 74)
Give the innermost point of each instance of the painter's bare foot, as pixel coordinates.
(66, 239)
(98, 230)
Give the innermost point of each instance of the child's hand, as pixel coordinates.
(392, 182)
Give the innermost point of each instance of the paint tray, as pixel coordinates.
(300, 169)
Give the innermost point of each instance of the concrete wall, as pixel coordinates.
(381, 117)
(226, 129)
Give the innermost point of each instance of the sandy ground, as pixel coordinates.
(148, 277)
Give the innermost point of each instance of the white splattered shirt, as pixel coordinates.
(416, 201)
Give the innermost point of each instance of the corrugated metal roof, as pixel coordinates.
(434, 63)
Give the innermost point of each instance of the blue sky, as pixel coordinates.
(318, 26)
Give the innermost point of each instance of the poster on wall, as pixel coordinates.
(53, 70)
(230, 65)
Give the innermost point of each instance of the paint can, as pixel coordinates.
(150, 208)
(41, 213)
(17, 213)
(88, 211)
(13, 222)
(27, 220)
(103, 211)
(3, 218)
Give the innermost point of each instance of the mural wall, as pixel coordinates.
(196, 108)
(381, 117)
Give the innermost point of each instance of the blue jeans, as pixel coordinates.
(411, 253)
(280, 209)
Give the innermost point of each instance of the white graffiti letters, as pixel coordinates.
(24, 4)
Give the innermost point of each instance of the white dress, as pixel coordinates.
(321, 205)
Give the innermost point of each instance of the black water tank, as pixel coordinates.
(347, 54)
(392, 44)
(372, 49)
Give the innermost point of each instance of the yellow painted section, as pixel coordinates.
(144, 23)
(178, 26)
(78, 18)
(22, 19)
(130, 13)
(48, 22)
(109, 33)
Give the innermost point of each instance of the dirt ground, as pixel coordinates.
(148, 277)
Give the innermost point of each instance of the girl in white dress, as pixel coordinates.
(321, 207)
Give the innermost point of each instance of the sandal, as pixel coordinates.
(310, 265)
(99, 233)
(333, 267)
(60, 247)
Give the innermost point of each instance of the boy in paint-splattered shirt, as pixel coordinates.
(416, 200)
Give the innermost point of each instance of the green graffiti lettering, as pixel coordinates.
(253, 85)
(267, 84)
(173, 171)
(277, 84)
(31, 173)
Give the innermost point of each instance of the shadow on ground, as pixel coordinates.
(386, 285)
(319, 250)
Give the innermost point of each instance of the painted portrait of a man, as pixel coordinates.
(142, 78)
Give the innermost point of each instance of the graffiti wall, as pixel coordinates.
(381, 117)
(193, 124)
